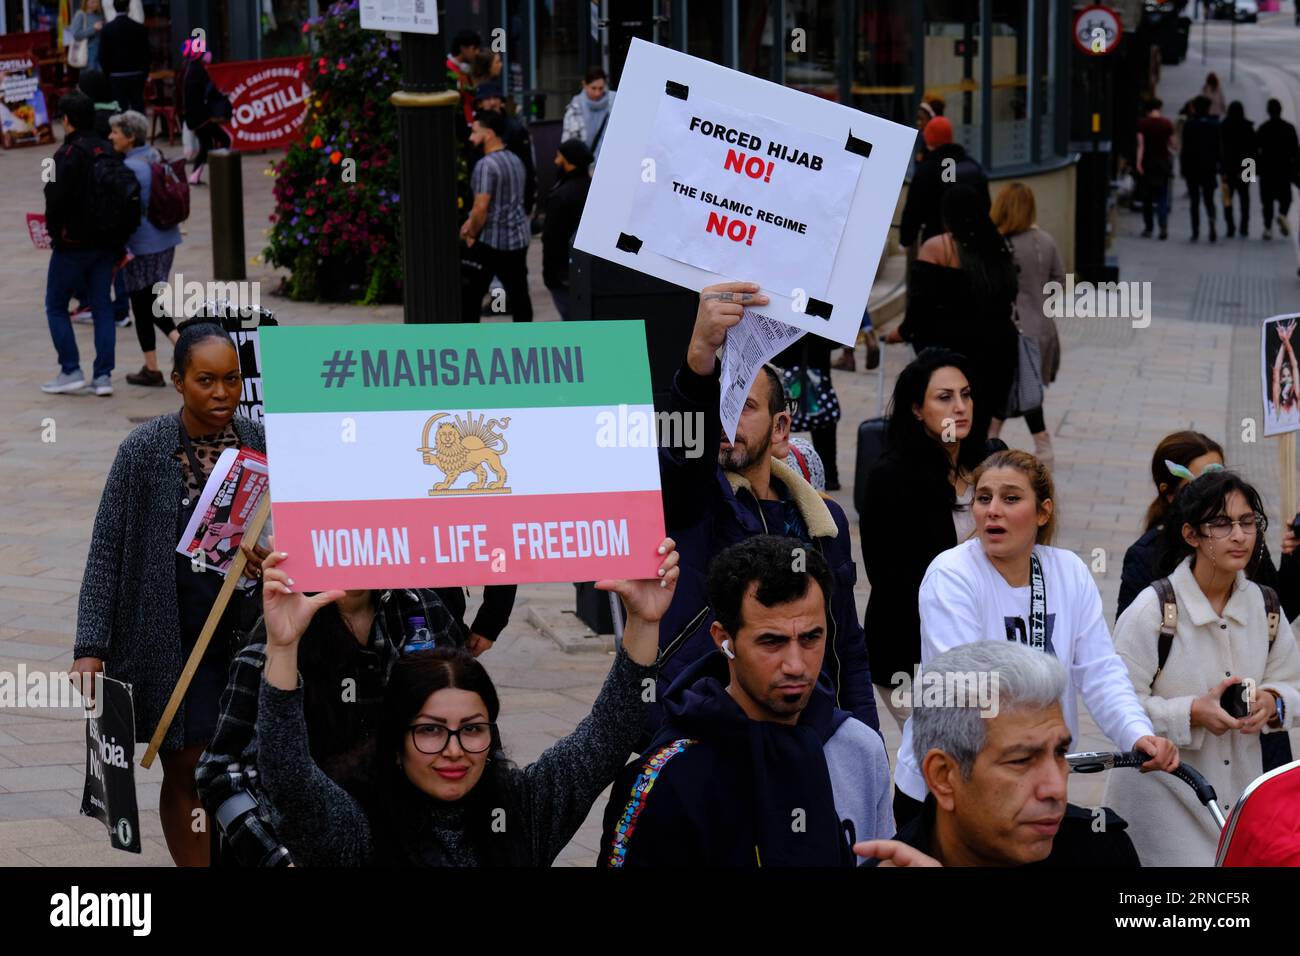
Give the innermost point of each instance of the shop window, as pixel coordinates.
(812, 56)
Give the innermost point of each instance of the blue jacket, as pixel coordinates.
(707, 510)
(148, 238)
(718, 789)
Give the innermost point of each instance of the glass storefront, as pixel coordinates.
(995, 63)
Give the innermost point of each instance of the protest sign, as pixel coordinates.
(109, 794)
(211, 539)
(406, 16)
(766, 206)
(738, 178)
(462, 454)
(24, 120)
(268, 100)
(38, 230)
(1279, 347)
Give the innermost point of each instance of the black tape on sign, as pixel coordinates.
(859, 146)
(628, 243)
(820, 309)
(679, 90)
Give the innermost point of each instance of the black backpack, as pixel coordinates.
(113, 205)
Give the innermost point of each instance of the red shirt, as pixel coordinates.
(1156, 132)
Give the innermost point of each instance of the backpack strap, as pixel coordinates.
(1273, 610)
(626, 822)
(1168, 623)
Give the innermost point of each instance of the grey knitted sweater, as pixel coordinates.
(323, 825)
(127, 614)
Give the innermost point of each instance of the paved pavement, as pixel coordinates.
(1120, 390)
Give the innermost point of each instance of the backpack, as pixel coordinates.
(112, 198)
(169, 193)
(1169, 619)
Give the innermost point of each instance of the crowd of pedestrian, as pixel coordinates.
(1221, 154)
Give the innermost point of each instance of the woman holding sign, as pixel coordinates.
(442, 792)
(143, 604)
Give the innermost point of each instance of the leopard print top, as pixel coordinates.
(207, 449)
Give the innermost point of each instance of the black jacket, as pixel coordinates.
(563, 213)
(923, 210)
(1078, 843)
(492, 617)
(124, 47)
(1279, 150)
(67, 195)
(1200, 148)
(908, 521)
(1238, 144)
(707, 509)
(723, 789)
(1143, 556)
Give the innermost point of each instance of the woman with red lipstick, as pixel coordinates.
(442, 792)
(1008, 583)
(1222, 646)
(142, 604)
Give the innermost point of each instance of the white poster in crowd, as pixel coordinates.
(749, 343)
(404, 16)
(1280, 374)
(707, 174)
(735, 194)
(248, 345)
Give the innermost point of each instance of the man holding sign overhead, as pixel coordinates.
(745, 489)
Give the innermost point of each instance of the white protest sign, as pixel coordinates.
(764, 207)
(406, 16)
(844, 224)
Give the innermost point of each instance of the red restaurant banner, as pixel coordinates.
(268, 100)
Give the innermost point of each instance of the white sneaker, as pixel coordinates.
(65, 382)
(103, 386)
(124, 322)
(1282, 227)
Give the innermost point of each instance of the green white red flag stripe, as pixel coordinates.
(449, 454)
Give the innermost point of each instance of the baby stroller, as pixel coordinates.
(1263, 828)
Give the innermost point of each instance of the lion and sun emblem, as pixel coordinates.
(463, 445)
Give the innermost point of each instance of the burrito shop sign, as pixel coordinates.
(268, 100)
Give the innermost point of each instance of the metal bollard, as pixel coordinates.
(227, 185)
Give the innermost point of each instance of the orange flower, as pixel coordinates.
(316, 142)
(336, 157)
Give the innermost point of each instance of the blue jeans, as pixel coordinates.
(121, 301)
(91, 270)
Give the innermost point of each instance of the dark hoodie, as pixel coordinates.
(715, 788)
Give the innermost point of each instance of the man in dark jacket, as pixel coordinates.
(124, 56)
(990, 737)
(944, 164)
(755, 766)
(1237, 136)
(713, 501)
(564, 208)
(489, 97)
(1279, 166)
(1201, 153)
(79, 264)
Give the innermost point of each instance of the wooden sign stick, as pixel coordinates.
(236, 571)
(1287, 475)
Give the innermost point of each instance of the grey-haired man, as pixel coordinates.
(992, 751)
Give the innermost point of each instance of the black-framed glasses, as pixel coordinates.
(1221, 526)
(433, 738)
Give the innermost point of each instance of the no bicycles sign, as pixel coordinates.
(1097, 30)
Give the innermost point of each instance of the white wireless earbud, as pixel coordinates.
(726, 649)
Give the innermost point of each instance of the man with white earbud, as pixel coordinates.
(755, 765)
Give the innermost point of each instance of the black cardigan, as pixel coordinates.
(907, 522)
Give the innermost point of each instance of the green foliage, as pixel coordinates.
(326, 230)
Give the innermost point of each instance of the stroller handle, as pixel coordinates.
(1097, 761)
